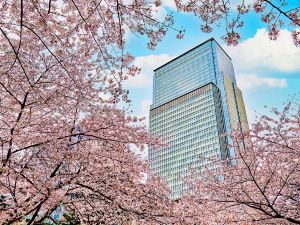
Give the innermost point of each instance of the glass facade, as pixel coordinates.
(195, 100)
(181, 75)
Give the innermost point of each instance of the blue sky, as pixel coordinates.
(268, 72)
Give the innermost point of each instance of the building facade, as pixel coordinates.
(195, 101)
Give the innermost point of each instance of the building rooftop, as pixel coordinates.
(211, 39)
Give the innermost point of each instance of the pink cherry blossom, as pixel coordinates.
(221, 15)
(64, 142)
(260, 185)
(273, 32)
(296, 37)
(232, 38)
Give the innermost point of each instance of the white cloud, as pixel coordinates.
(169, 4)
(259, 53)
(145, 109)
(147, 64)
(159, 13)
(253, 81)
(235, 3)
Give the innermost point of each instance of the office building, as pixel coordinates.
(195, 101)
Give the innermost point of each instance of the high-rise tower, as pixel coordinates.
(195, 101)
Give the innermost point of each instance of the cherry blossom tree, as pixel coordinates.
(263, 186)
(65, 130)
(275, 14)
(65, 139)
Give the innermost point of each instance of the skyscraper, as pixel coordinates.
(195, 101)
